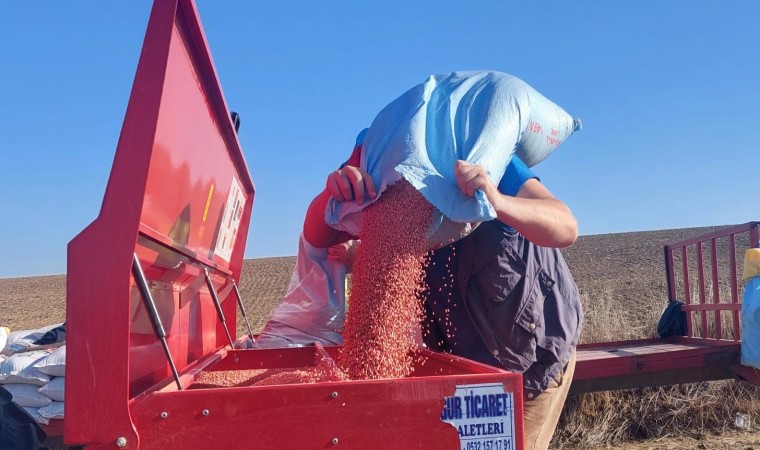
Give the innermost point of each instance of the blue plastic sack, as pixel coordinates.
(479, 117)
(751, 323)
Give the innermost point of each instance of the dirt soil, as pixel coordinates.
(629, 264)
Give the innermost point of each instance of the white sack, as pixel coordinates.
(19, 368)
(53, 364)
(34, 412)
(4, 332)
(27, 395)
(55, 389)
(23, 339)
(52, 411)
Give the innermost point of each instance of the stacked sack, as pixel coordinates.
(4, 331)
(35, 378)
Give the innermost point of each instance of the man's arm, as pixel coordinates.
(315, 230)
(534, 211)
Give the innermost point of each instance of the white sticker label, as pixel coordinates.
(483, 415)
(233, 212)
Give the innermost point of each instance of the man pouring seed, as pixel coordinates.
(511, 299)
(503, 294)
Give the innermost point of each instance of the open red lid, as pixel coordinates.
(178, 202)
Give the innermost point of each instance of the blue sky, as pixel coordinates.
(669, 94)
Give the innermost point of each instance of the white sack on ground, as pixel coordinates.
(4, 332)
(34, 412)
(27, 395)
(52, 411)
(19, 368)
(54, 364)
(54, 389)
(23, 339)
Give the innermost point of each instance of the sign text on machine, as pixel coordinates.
(483, 415)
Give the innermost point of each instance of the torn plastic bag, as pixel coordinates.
(313, 308)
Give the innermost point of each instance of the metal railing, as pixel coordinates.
(712, 300)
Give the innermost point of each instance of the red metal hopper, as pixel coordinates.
(151, 299)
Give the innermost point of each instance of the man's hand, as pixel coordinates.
(346, 184)
(534, 211)
(471, 177)
(351, 183)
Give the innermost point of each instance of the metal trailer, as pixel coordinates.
(711, 346)
(152, 300)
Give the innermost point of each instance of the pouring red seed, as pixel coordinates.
(384, 306)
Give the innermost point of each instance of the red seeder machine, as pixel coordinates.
(152, 299)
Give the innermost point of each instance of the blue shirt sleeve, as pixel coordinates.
(515, 176)
(360, 137)
(354, 158)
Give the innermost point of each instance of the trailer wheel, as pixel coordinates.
(18, 430)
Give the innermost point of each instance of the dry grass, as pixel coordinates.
(696, 409)
(613, 418)
(624, 302)
(623, 286)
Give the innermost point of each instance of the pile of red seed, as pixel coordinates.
(324, 369)
(234, 378)
(296, 376)
(267, 377)
(384, 308)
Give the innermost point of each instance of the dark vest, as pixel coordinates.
(497, 298)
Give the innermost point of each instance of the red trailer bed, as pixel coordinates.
(710, 349)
